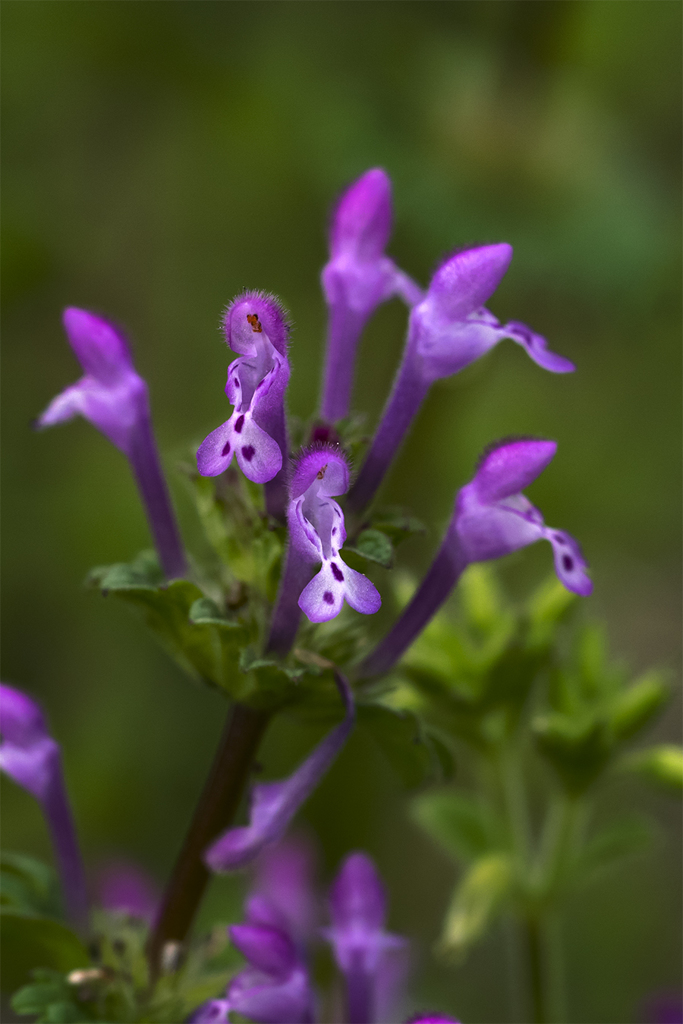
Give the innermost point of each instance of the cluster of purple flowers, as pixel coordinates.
(448, 328)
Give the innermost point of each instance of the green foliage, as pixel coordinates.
(28, 885)
(375, 546)
(413, 750)
(29, 940)
(662, 766)
(477, 899)
(51, 999)
(465, 826)
(625, 837)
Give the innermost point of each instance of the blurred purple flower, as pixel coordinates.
(284, 877)
(274, 804)
(114, 398)
(362, 948)
(448, 329)
(274, 988)
(30, 757)
(432, 1018)
(491, 519)
(663, 1009)
(255, 326)
(125, 888)
(356, 280)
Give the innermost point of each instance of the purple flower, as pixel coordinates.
(360, 943)
(274, 988)
(491, 519)
(274, 804)
(114, 398)
(433, 1018)
(256, 327)
(125, 889)
(284, 877)
(448, 329)
(30, 757)
(356, 280)
(316, 526)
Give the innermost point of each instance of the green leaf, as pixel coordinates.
(29, 941)
(375, 546)
(578, 747)
(547, 606)
(416, 755)
(481, 597)
(661, 765)
(462, 825)
(205, 642)
(475, 902)
(29, 885)
(626, 836)
(397, 524)
(634, 707)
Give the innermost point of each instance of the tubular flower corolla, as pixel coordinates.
(114, 398)
(356, 280)
(316, 526)
(274, 988)
(362, 948)
(274, 804)
(32, 758)
(448, 329)
(491, 519)
(255, 326)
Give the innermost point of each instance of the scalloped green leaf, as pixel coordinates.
(375, 546)
(28, 941)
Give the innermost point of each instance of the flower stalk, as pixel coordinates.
(215, 810)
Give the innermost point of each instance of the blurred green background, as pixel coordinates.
(159, 157)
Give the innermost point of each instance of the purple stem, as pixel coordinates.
(67, 851)
(359, 996)
(286, 614)
(344, 330)
(442, 576)
(407, 395)
(151, 483)
(275, 424)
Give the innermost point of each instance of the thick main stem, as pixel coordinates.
(216, 808)
(149, 477)
(406, 397)
(441, 577)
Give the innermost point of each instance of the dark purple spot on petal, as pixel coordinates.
(226, 450)
(567, 562)
(248, 452)
(328, 597)
(336, 572)
(559, 538)
(239, 424)
(334, 530)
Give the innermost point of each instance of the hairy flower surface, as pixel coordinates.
(274, 804)
(316, 525)
(356, 280)
(362, 948)
(256, 327)
(32, 758)
(114, 398)
(448, 329)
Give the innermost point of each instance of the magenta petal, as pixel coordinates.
(269, 949)
(465, 281)
(357, 897)
(258, 455)
(274, 804)
(323, 598)
(361, 222)
(361, 593)
(509, 466)
(272, 1001)
(570, 564)
(215, 453)
(537, 347)
(126, 889)
(330, 462)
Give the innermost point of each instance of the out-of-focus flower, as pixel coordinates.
(274, 988)
(32, 758)
(356, 280)
(316, 526)
(284, 877)
(114, 398)
(256, 327)
(274, 804)
(125, 888)
(491, 519)
(360, 943)
(448, 329)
